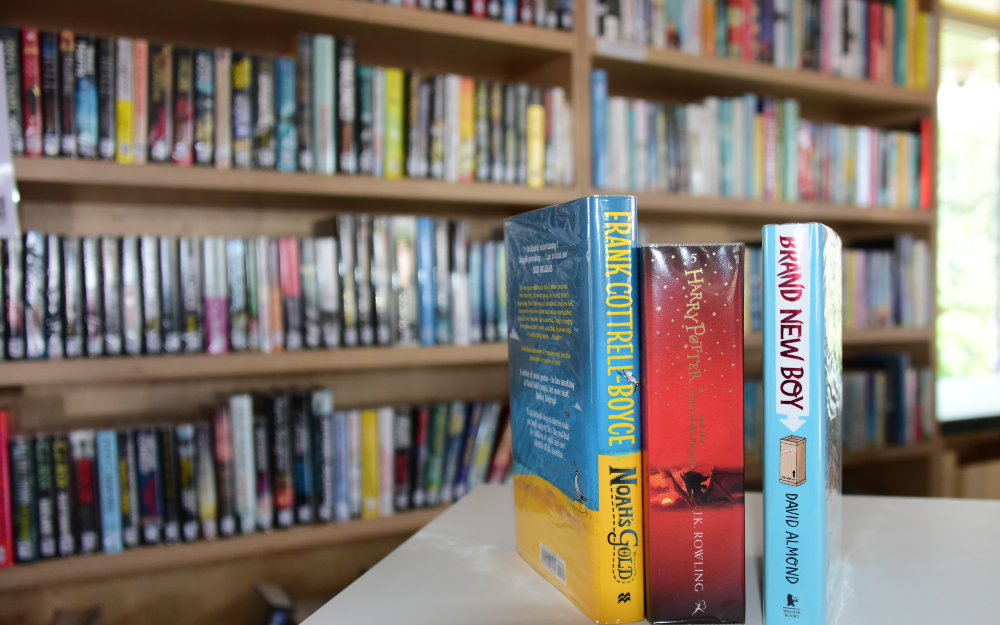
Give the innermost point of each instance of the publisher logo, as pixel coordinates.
(699, 607)
(624, 597)
(790, 610)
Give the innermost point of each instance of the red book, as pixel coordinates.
(479, 8)
(692, 402)
(749, 30)
(874, 40)
(526, 11)
(31, 76)
(926, 137)
(6, 527)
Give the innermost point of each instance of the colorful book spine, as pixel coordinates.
(45, 496)
(468, 449)
(378, 122)
(436, 454)
(244, 469)
(252, 304)
(85, 503)
(482, 454)
(140, 101)
(458, 417)
(328, 290)
(216, 308)
(206, 485)
(128, 481)
(405, 304)
(347, 148)
(109, 490)
(187, 483)
(323, 454)
(124, 100)
(148, 469)
(291, 292)
(283, 485)
(183, 137)
(302, 457)
(442, 280)
(369, 464)
(31, 88)
(262, 471)
(536, 139)
(161, 97)
(86, 97)
(693, 432)
(170, 477)
(501, 293)
(276, 301)
(106, 103)
(264, 323)
(67, 94)
(241, 91)
(365, 133)
(223, 108)
(263, 114)
(394, 123)
(426, 288)
(323, 100)
(7, 553)
(341, 467)
(802, 417)
(286, 133)
(50, 115)
(238, 298)
(402, 462)
(225, 472)
(590, 470)
(204, 107)
(419, 446)
(23, 498)
(62, 474)
(459, 281)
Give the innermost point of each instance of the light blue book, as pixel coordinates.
(109, 488)
(426, 289)
(509, 11)
(286, 134)
(802, 423)
(341, 468)
(599, 126)
(749, 155)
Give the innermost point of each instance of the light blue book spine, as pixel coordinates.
(427, 290)
(475, 292)
(110, 495)
(287, 135)
(599, 125)
(802, 423)
(509, 11)
(341, 468)
(790, 134)
(749, 151)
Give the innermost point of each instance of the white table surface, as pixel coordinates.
(906, 560)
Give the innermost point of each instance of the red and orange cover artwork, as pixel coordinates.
(692, 401)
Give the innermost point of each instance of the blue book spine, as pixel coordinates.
(509, 10)
(86, 98)
(109, 490)
(575, 409)
(899, 58)
(341, 468)
(427, 290)
(599, 126)
(802, 422)
(490, 291)
(501, 293)
(749, 155)
(287, 134)
(475, 292)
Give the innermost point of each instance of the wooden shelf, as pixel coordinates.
(861, 338)
(79, 174)
(642, 70)
(195, 366)
(154, 558)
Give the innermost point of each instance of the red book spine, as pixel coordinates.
(6, 527)
(749, 30)
(874, 40)
(692, 402)
(526, 11)
(926, 137)
(479, 8)
(31, 75)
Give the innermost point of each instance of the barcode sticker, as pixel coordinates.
(553, 563)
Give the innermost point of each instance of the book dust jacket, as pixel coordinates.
(692, 406)
(573, 361)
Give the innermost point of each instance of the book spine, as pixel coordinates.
(501, 265)
(10, 39)
(426, 289)
(483, 451)
(106, 82)
(225, 471)
(263, 118)
(302, 457)
(510, 150)
(171, 485)
(802, 350)
(414, 153)
(15, 297)
(34, 294)
(216, 311)
(7, 553)
(309, 281)
(140, 101)
(347, 267)
(459, 280)
(129, 485)
(187, 486)
(436, 455)
(386, 460)
(238, 297)
(111, 264)
(482, 141)
(321, 404)
(94, 297)
(85, 504)
(394, 120)
(341, 467)
(171, 322)
(124, 100)
(45, 496)
(490, 291)
(161, 107)
(452, 136)
(419, 451)
(206, 484)
(51, 118)
(304, 101)
(109, 490)
(496, 132)
(86, 97)
(204, 107)
(262, 471)
(264, 323)
(363, 279)
(476, 312)
(252, 296)
(405, 302)
(67, 94)
(402, 462)
(63, 481)
(467, 130)
(436, 128)
(323, 100)
(457, 418)
(275, 295)
(328, 290)
(365, 132)
(31, 76)
(369, 464)
(442, 280)
(244, 468)
(378, 122)
(191, 293)
(150, 489)
(354, 480)
(23, 498)
(468, 449)
(241, 93)
(535, 132)
(382, 280)
(291, 292)
(347, 149)
(131, 296)
(223, 108)
(286, 133)
(522, 102)
(283, 485)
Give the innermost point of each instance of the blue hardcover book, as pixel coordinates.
(109, 490)
(802, 422)
(599, 126)
(287, 133)
(575, 412)
(475, 292)
(427, 290)
(341, 467)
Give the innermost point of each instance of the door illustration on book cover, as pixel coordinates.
(793, 461)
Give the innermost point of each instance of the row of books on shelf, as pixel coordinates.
(557, 14)
(263, 462)
(886, 285)
(375, 281)
(134, 101)
(887, 402)
(754, 147)
(893, 41)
